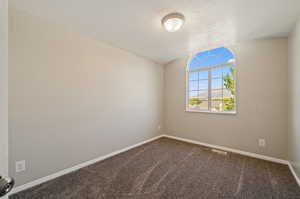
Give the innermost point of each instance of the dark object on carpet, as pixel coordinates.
(169, 169)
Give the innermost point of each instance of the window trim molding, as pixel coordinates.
(209, 84)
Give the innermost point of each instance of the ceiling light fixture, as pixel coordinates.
(173, 22)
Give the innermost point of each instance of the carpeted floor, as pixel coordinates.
(169, 169)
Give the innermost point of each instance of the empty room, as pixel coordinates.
(157, 99)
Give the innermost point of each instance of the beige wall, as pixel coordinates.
(294, 98)
(3, 90)
(262, 102)
(73, 98)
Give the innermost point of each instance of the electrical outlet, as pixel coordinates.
(159, 127)
(20, 166)
(261, 142)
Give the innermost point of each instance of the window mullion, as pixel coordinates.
(198, 82)
(187, 89)
(209, 88)
(222, 90)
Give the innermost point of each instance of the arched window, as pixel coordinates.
(211, 82)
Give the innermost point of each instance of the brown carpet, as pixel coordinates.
(169, 169)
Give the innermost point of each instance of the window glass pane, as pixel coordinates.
(193, 75)
(216, 72)
(198, 104)
(217, 83)
(212, 57)
(193, 94)
(229, 104)
(230, 80)
(203, 74)
(203, 84)
(216, 94)
(203, 106)
(193, 85)
(203, 94)
(229, 100)
(227, 93)
(216, 105)
(229, 71)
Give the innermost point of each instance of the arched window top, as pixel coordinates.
(212, 57)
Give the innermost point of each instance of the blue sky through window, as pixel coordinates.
(211, 57)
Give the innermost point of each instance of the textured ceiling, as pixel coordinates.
(134, 25)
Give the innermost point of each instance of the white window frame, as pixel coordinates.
(209, 69)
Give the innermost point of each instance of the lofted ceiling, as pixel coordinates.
(135, 25)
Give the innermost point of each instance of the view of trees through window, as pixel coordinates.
(212, 81)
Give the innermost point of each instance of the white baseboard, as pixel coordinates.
(254, 155)
(79, 166)
(294, 173)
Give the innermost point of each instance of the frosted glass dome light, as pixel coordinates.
(173, 22)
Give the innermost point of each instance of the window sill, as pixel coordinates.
(210, 112)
